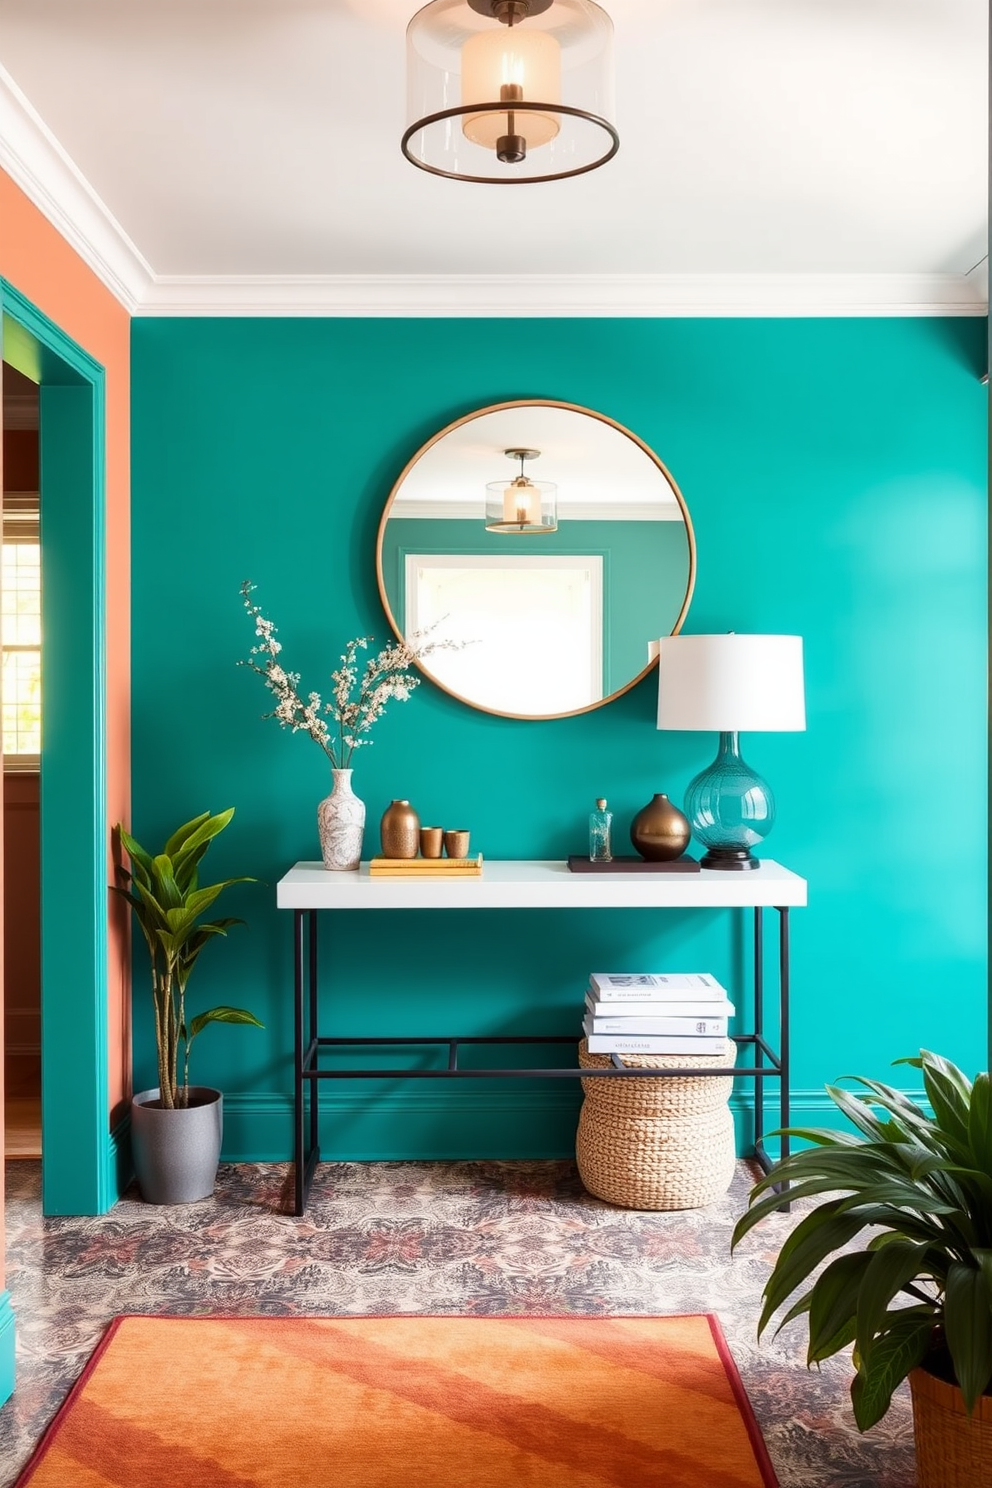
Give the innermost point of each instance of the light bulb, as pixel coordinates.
(522, 503)
(511, 64)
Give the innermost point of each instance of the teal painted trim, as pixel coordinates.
(7, 1348)
(806, 1108)
(117, 1165)
(79, 1164)
(461, 1123)
(37, 347)
(435, 1127)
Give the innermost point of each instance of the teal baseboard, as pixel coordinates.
(427, 1123)
(807, 1108)
(422, 1124)
(121, 1167)
(6, 1347)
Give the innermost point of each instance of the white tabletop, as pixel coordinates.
(521, 884)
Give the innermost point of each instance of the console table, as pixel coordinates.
(309, 887)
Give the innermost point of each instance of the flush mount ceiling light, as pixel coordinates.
(508, 91)
(524, 505)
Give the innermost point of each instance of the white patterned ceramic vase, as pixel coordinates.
(341, 823)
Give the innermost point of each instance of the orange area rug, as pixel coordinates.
(406, 1402)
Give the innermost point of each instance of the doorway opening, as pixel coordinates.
(20, 723)
(80, 1153)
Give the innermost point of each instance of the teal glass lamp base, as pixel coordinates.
(730, 810)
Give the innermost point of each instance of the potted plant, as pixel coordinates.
(917, 1301)
(176, 1128)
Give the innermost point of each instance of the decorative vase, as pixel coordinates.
(659, 831)
(176, 1153)
(731, 808)
(953, 1449)
(399, 830)
(341, 823)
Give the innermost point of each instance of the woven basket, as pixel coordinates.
(953, 1449)
(656, 1144)
(668, 1097)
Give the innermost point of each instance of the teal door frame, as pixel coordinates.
(78, 1153)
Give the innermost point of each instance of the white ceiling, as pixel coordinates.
(599, 471)
(758, 137)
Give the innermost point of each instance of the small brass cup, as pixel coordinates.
(431, 842)
(456, 843)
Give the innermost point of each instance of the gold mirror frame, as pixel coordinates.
(571, 408)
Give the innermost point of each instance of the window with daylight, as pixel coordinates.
(530, 625)
(20, 630)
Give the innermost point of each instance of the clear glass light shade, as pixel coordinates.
(522, 506)
(730, 808)
(493, 102)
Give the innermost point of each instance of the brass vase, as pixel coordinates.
(399, 830)
(660, 831)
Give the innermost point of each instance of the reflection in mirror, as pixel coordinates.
(557, 592)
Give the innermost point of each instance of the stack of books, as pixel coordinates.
(650, 1013)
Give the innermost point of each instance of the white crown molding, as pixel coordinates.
(36, 162)
(581, 295)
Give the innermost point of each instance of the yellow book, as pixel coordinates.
(381, 867)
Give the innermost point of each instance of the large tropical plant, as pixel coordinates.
(920, 1293)
(167, 902)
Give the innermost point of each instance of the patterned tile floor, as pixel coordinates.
(462, 1237)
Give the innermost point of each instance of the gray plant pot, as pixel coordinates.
(176, 1152)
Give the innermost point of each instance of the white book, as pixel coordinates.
(615, 986)
(682, 1027)
(670, 1007)
(658, 1043)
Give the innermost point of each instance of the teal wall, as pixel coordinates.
(835, 473)
(645, 568)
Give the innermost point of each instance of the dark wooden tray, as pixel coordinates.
(579, 864)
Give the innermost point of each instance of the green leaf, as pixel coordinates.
(834, 1304)
(166, 888)
(949, 1093)
(980, 1124)
(179, 838)
(814, 1238)
(186, 868)
(888, 1272)
(205, 833)
(139, 858)
(222, 1015)
(773, 1202)
(968, 1329)
(858, 1112)
(201, 899)
(891, 1358)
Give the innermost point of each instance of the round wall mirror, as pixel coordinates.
(550, 543)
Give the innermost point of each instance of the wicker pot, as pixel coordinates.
(953, 1449)
(657, 1144)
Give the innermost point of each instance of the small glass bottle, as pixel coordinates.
(600, 834)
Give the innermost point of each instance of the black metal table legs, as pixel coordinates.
(767, 1064)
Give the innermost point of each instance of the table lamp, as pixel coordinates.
(730, 683)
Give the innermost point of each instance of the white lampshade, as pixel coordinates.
(731, 683)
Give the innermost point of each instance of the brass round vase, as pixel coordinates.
(660, 831)
(399, 830)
